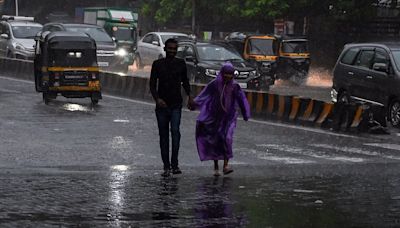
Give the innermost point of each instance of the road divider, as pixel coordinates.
(264, 105)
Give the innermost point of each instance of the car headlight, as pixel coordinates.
(19, 46)
(121, 52)
(212, 73)
(253, 73)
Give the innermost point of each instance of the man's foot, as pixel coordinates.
(216, 173)
(166, 173)
(176, 171)
(227, 170)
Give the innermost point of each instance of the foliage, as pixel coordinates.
(168, 10)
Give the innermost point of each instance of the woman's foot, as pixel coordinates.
(227, 170)
(216, 173)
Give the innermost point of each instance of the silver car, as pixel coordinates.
(17, 37)
(151, 47)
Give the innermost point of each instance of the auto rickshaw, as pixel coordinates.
(65, 63)
(294, 59)
(261, 50)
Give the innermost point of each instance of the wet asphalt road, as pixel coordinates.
(74, 165)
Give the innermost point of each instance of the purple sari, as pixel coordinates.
(219, 104)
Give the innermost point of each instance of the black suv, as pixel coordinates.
(205, 59)
(369, 72)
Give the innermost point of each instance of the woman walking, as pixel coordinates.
(219, 103)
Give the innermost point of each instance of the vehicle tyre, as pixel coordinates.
(10, 55)
(125, 69)
(46, 98)
(95, 101)
(342, 115)
(394, 113)
(299, 79)
(138, 62)
(192, 78)
(344, 98)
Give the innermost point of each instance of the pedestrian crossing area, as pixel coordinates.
(322, 153)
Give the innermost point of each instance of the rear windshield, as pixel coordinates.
(98, 34)
(295, 47)
(73, 57)
(25, 32)
(261, 47)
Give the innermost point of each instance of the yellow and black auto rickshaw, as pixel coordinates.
(294, 59)
(261, 50)
(65, 63)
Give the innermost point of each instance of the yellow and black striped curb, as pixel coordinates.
(263, 105)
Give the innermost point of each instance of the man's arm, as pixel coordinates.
(153, 82)
(186, 86)
(185, 80)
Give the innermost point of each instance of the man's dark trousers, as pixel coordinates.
(165, 117)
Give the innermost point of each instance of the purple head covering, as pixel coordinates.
(225, 87)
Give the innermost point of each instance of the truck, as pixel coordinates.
(120, 24)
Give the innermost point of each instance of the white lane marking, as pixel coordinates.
(310, 153)
(286, 160)
(9, 91)
(121, 121)
(17, 80)
(309, 129)
(314, 130)
(355, 151)
(384, 145)
(271, 157)
(304, 191)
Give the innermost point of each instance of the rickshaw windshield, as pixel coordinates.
(295, 47)
(265, 47)
(73, 57)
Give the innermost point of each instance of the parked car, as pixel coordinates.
(109, 58)
(370, 73)
(17, 37)
(205, 59)
(151, 47)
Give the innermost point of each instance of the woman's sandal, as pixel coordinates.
(227, 171)
(216, 173)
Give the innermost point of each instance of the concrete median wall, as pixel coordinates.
(264, 105)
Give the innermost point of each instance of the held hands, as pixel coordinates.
(191, 105)
(161, 103)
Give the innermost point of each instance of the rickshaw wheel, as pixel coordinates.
(95, 101)
(46, 98)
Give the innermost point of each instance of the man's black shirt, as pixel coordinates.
(170, 74)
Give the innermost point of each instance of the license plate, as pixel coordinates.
(103, 64)
(243, 85)
(74, 76)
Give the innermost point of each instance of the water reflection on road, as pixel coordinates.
(123, 196)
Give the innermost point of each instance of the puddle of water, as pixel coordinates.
(76, 107)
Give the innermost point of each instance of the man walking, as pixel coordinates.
(167, 76)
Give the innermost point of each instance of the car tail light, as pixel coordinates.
(56, 75)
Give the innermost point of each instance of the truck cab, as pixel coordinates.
(120, 24)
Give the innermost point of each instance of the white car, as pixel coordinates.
(151, 47)
(17, 36)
